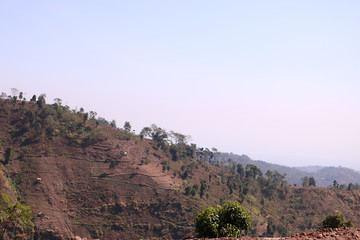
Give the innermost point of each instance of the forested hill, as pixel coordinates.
(324, 176)
(84, 176)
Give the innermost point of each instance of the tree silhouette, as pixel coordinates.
(127, 126)
(312, 181)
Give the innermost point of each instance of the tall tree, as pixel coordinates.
(127, 126)
(145, 132)
(240, 170)
(159, 135)
(252, 171)
(41, 100)
(305, 181)
(93, 115)
(312, 181)
(113, 123)
(58, 101)
(179, 138)
(85, 117)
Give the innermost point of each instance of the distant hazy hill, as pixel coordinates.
(310, 169)
(324, 176)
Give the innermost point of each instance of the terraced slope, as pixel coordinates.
(94, 181)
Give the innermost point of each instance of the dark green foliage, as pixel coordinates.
(275, 178)
(252, 171)
(159, 135)
(335, 221)
(53, 121)
(41, 101)
(207, 222)
(312, 181)
(205, 155)
(308, 181)
(187, 190)
(145, 132)
(20, 131)
(127, 126)
(30, 140)
(8, 155)
(182, 151)
(85, 117)
(226, 221)
(191, 190)
(102, 121)
(240, 170)
(14, 98)
(174, 152)
(185, 175)
(113, 124)
(92, 115)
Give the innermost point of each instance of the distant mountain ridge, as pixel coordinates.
(310, 169)
(324, 176)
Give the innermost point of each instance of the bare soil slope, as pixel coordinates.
(104, 190)
(329, 234)
(90, 180)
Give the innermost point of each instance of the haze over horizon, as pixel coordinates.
(276, 80)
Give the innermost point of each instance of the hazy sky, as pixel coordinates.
(276, 80)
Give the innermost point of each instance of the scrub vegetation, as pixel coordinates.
(88, 177)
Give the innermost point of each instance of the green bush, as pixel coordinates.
(207, 222)
(15, 218)
(226, 221)
(336, 221)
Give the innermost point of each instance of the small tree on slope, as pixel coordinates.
(226, 221)
(336, 221)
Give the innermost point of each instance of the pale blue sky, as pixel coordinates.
(276, 80)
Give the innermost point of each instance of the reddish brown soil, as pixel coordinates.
(331, 234)
(81, 193)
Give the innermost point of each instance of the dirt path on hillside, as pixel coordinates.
(164, 180)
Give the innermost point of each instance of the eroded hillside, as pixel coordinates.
(96, 181)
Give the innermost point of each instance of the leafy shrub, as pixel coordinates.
(226, 221)
(207, 222)
(336, 221)
(15, 218)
